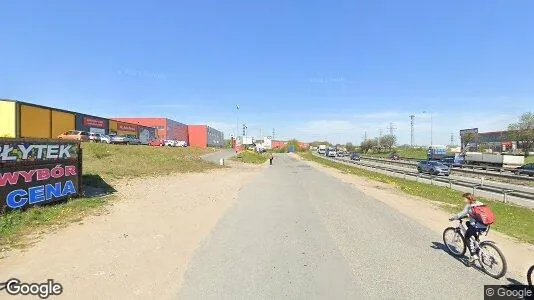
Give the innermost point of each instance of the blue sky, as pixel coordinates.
(310, 69)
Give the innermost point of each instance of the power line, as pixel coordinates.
(392, 127)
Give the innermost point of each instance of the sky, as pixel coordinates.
(311, 70)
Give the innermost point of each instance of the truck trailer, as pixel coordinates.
(494, 160)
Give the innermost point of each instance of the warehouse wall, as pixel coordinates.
(92, 124)
(34, 122)
(112, 127)
(198, 135)
(147, 134)
(176, 131)
(215, 137)
(159, 123)
(62, 122)
(8, 119)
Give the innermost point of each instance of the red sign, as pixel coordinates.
(91, 122)
(127, 127)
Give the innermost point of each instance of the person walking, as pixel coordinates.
(271, 159)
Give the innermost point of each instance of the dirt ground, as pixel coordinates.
(520, 256)
(141, 247)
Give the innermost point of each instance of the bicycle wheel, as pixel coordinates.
(492, 260)
(454, 240)
(530, 274)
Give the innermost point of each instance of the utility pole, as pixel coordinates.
(392, 128)
(412, 117)
(273, 133)
(237, 124)
(244, 129)
(365, 135)
(452, 138)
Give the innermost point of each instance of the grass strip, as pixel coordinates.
(250, 157)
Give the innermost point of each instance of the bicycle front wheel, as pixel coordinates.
(530, 274)
(492, 260)
(454, 241)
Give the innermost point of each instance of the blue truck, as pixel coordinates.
(436, 152)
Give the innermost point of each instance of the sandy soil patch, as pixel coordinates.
(141, 247)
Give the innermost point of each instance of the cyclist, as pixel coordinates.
(473, 225)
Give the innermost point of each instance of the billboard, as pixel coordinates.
(36, 172)
(470, 130)
(92, 124)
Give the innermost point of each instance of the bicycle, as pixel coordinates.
(530, 277)
(484, 249)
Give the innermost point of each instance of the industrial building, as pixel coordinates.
(203, 136)
(25, 120)
(497, 141)
(167, 129)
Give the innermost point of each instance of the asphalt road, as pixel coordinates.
(216, 156)
(297, 233)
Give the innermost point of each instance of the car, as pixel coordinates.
(104, 138)
(331, 152)
(170, 143)
(527, 169)
(156, 143)
(131, 140)
(181, 144)
(94, 137)
(355, 157)
(394, 156)
(340, 153)
(117, 139)
(433, 168)
(75, 135)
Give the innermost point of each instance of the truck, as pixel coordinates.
(493, 160)
(322, 149)
(436, 152)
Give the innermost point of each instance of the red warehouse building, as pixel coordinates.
(166, 129)
(203, 136)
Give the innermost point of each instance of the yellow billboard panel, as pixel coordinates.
(62, 122)
(112, 127)
(34, 122)
(7, 119)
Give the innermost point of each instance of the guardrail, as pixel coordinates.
(482, 186)
(462, 169)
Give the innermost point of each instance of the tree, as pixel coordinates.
(367, 145)
(350, 147)
(469, 137)
(523, 131)
(388, 141)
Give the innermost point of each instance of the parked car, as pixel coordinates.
(181, 144)
(340, 153)
(331, 152)
(527, 169)
(74, 135)
(130, 140)
(433, 167)
(157, 143)
(104, 138)
(94, 137)
(170, 143)
(355, 156)
(116, 139)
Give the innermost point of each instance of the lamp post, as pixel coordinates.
(237, 124)
(430, 113)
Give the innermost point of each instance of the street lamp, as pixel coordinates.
(237, 124)
(430, 113)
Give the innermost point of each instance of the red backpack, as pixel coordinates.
(483, 214)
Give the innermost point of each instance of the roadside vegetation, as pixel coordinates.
(251, 157)
(102, 165)
(512, 220)
(408, 152)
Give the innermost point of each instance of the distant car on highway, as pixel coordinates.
(433, 167)
(74, 135)
(331, 152)
(355, 156)
(527, 169)
(394, 156)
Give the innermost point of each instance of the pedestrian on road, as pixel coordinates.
(271, 160)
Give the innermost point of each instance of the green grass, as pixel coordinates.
(250, 157)
(529, 159)
(415, 153)
(512, 220)
(102, 165)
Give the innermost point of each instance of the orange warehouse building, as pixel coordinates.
(203, 136)
(166, 129)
